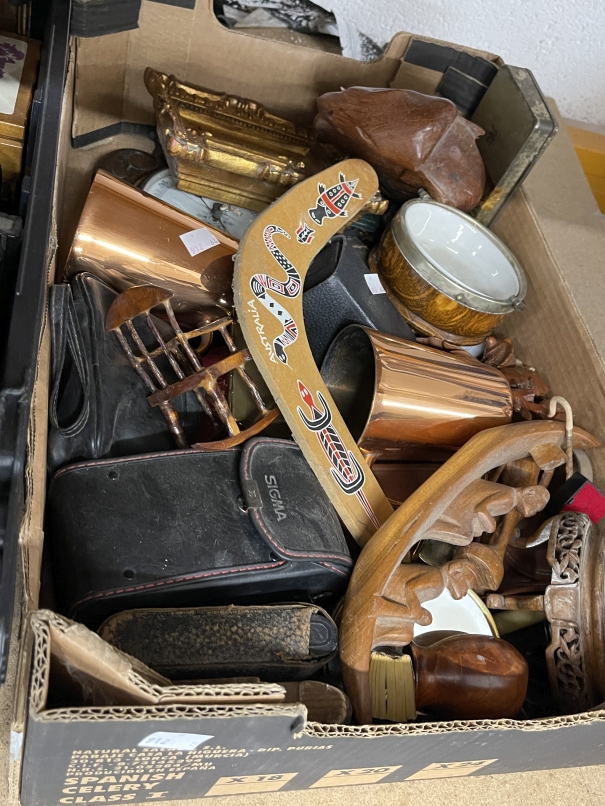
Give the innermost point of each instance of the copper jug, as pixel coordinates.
(127, 238)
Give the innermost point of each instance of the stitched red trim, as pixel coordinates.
(184, 578)
(312, 555)
(333, 568)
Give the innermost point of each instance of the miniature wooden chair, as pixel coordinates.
(191, 375)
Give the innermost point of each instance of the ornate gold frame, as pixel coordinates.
(224, 147)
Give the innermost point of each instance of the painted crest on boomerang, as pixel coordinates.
(263, 284)
(345, 468)
(332, 201)
(270, 270)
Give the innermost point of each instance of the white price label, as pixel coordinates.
(374, 284)
(174, 741)
(198, 240)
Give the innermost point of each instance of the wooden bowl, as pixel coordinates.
(449, 271)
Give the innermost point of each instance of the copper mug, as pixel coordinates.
(396, 395)
(127, 237)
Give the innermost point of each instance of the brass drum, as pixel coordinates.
(396, 393)
(449, 273)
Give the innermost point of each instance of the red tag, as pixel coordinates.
(588, 499)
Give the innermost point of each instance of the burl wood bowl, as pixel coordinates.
(449, 272)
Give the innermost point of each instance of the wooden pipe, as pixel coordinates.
(469, 677)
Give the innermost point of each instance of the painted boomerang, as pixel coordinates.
(270, 268)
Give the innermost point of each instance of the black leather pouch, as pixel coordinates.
(248, 525)
(98, 404)
(336, 294)
(275, 642)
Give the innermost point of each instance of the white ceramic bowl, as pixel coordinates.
(462, 250)
(468, 615)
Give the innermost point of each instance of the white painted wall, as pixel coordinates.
(561, 41)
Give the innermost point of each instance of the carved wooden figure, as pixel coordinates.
(412, 140)
(385, 597)
(529, 391)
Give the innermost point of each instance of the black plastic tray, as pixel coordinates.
(19, 367)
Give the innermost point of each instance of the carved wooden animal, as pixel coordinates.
(379, 610)
(499, 352)
(477, 566)
(412, 140)
(475, 509)
(529, 390)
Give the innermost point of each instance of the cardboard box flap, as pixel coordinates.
(82, 669)
(298, 74)
(440, 68)
(110, 91)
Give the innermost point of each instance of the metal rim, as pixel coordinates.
(450, 288)
(486, 612)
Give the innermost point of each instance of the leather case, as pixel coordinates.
(247, 525)
(98, 404)
(274, 643)
(336, 294)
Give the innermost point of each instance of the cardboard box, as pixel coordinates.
(138, 753)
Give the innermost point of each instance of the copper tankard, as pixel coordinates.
(396, 394)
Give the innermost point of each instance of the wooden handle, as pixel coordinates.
(469, 677)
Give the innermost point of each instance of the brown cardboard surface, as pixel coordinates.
(31, 536)
(556, 238)
(102, 56)
(93, 668)
(555, 229)
(573, 227)
(297, 74)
